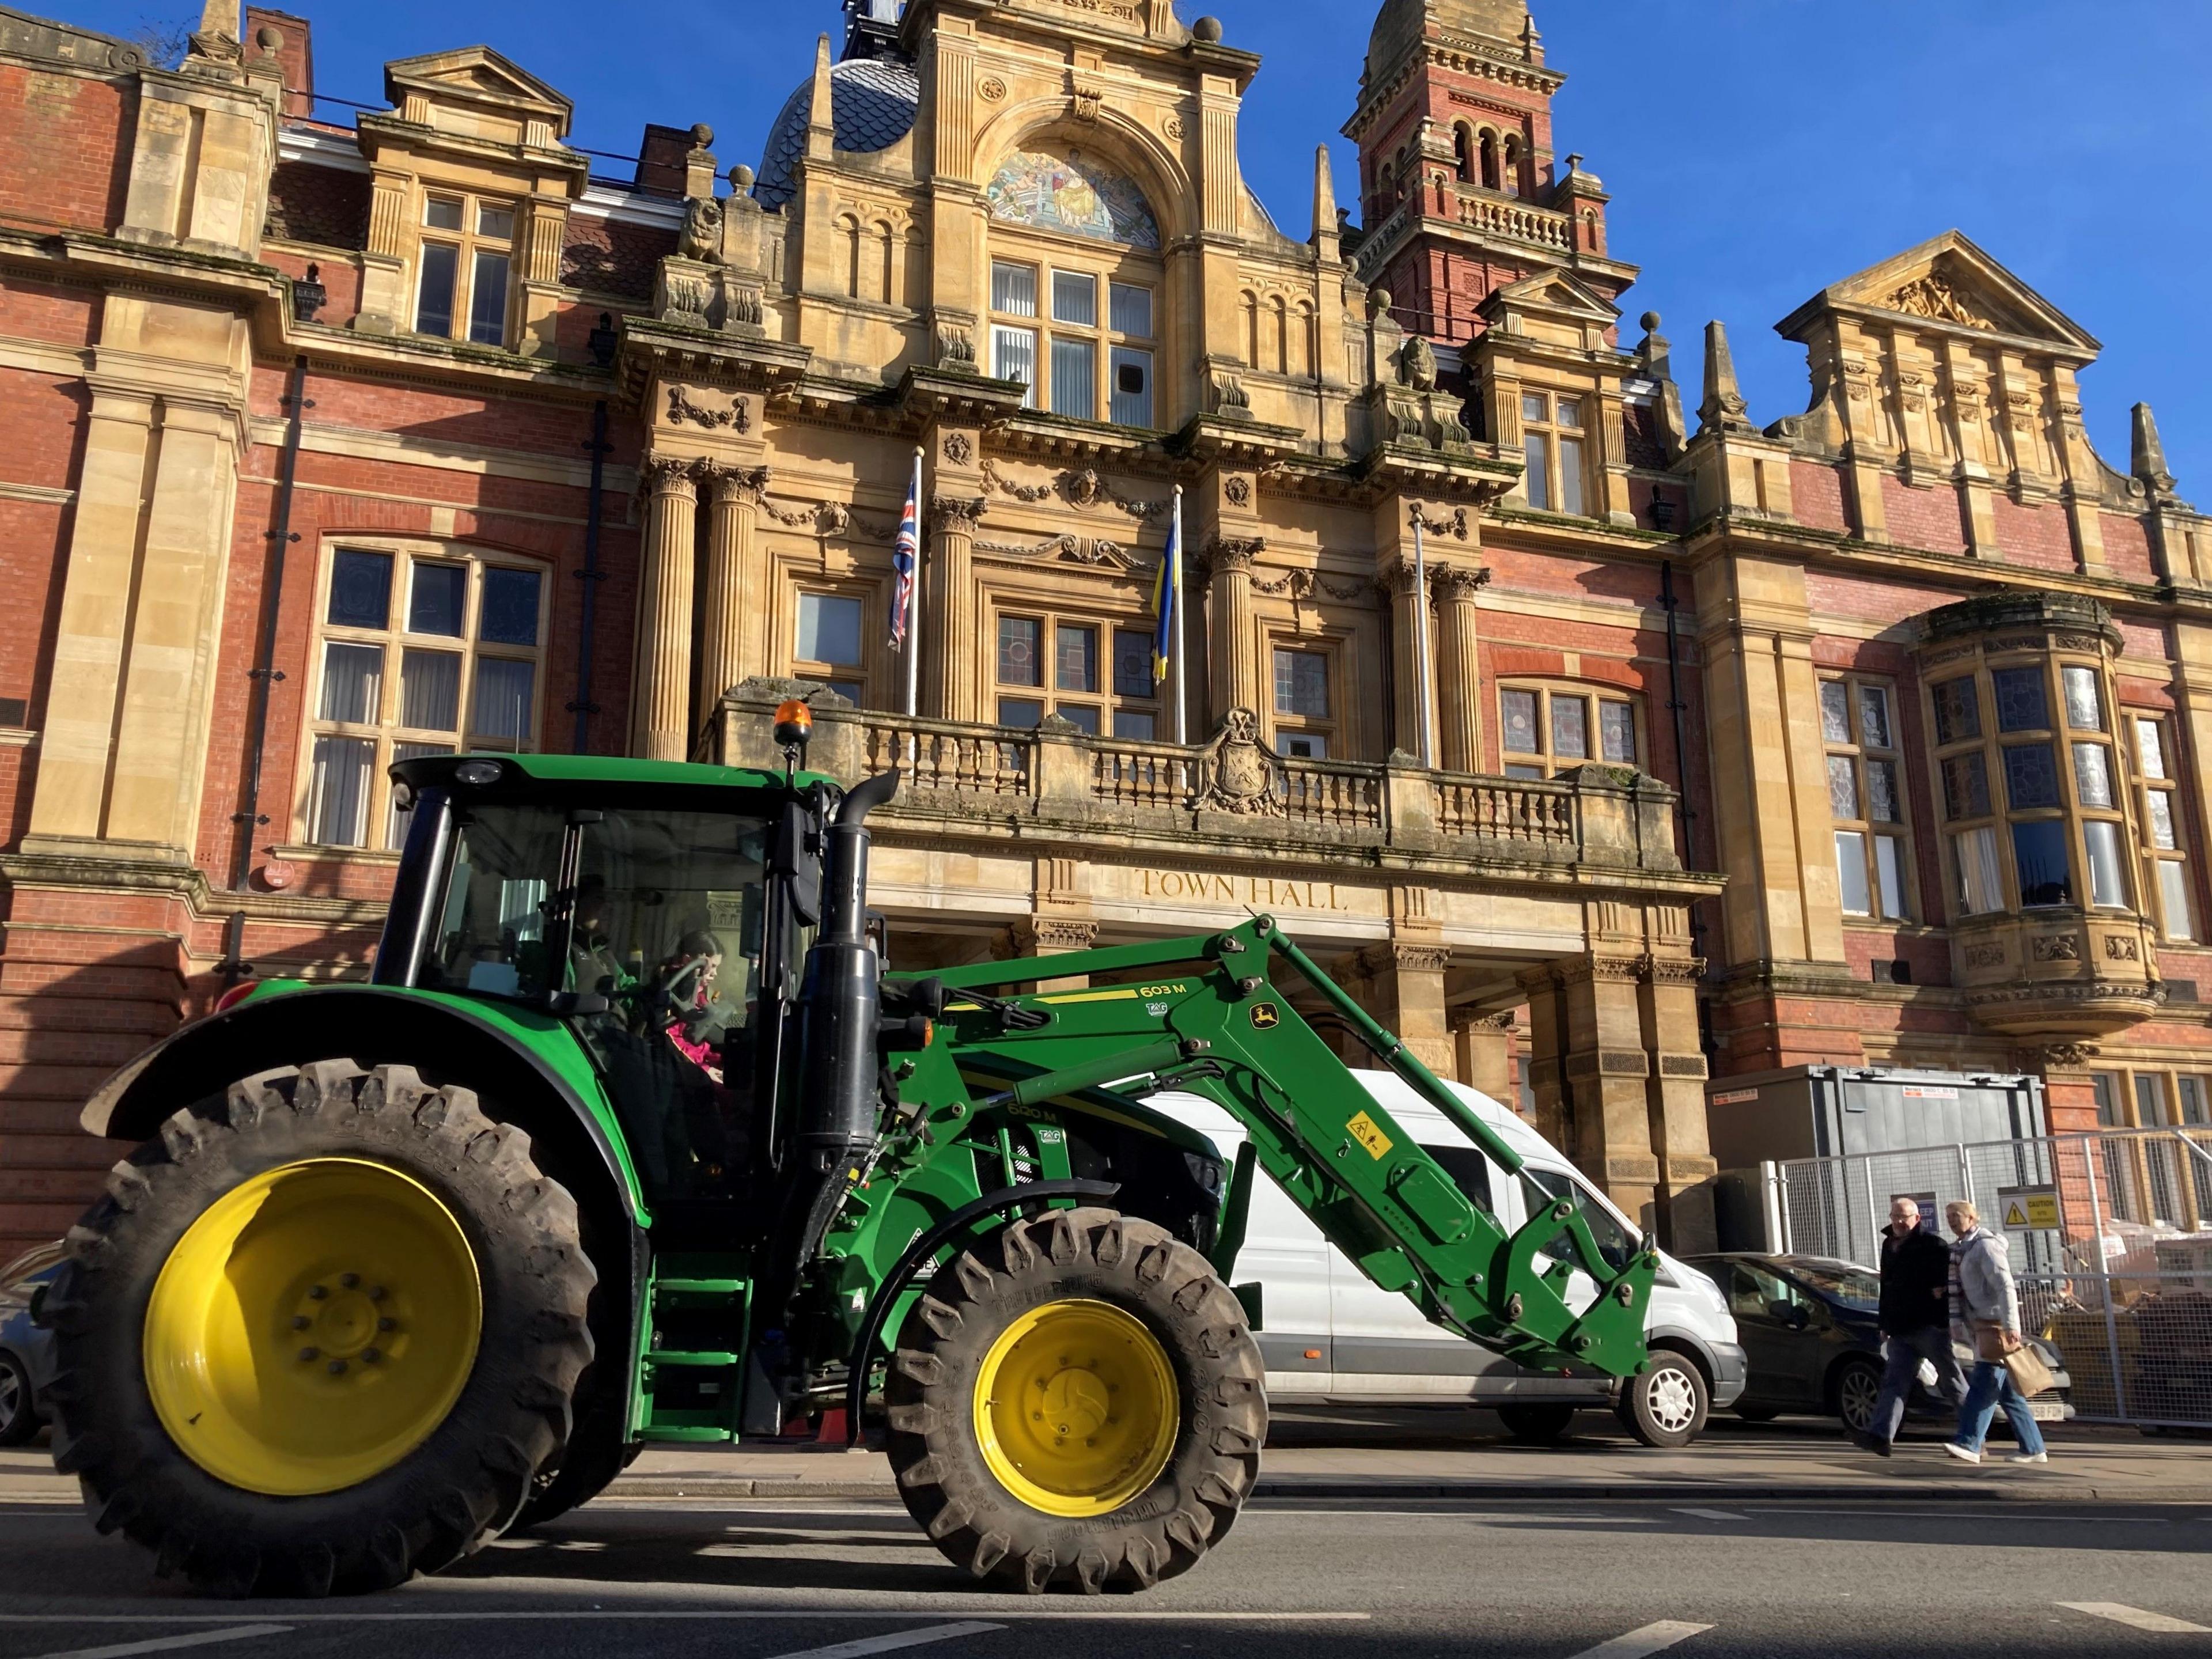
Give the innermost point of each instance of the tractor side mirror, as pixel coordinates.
(796, 857)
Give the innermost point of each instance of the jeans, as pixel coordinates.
(1902, 1352)
(1992, 1386)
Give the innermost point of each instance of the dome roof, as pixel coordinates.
(873, 101)
(1401, 23)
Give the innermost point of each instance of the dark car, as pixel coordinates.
(26, 1352)
(1809, 1328)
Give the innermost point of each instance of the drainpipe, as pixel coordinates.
(591, 575)
(264, 673)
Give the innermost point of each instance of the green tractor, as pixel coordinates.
(630, 1138)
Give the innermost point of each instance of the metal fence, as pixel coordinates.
(2111, 1240)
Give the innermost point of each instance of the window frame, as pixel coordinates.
(1104, 342)
(1286, 726)
(1538, 767)
(1862, 756)
(2059, 738)
(467, 243)
(386, 731)
(2156, 859)
(1547, 459)
(852, 679)
(1106, 704)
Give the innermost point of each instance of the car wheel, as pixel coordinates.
(1857, 1387)
(1665, 1405)
(19, 1418)
(1537, 1425)
(1757, 1413)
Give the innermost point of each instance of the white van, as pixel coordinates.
(1329, 1333)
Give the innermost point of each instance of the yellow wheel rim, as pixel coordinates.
(313, 1327)
(1076, 1407)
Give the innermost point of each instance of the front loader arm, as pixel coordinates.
(1220, 1028)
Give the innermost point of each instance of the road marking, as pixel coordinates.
(905, 1638)
(859, 1615)
(2136, 1619)
(1652, 1638)
(1714, 1515)
(166, 1643)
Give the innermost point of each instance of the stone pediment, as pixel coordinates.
(1554, 293)
(1951, 283)
(478, 75)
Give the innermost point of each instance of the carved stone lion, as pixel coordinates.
(702, 230)
(1417, 364)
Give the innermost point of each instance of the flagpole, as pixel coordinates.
(1174, 582)
(1421, 640)
(914, 626)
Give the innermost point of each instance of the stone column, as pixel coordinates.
(1484, 1045)
(1675, 1104)
(1590, 1073)
(1406, 658)
(953, 667)
(1459, 668)
(733, 642)
(1053, 936)
(1403, 987)
(1234, 626)
(660, 679)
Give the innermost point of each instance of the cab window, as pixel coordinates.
(1615, 1244)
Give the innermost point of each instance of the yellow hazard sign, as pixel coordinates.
(1365, 1130)
(2031, 1209)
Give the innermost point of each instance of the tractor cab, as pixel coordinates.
(661, 912)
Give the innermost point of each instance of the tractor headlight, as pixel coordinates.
(1206, 1171)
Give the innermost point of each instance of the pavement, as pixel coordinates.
(1377, 1534)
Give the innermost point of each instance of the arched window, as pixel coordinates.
(1463, 150)
(855, 260)
(1513, 165)
(1490, 160)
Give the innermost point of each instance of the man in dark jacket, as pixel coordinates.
(1916, 1321)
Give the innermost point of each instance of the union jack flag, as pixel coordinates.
(906, 560)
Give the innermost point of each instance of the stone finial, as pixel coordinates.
(220, 17)
(1656, 349)
(822, 114)
(1325, 221)
(1206, 31)
(1724, 409)
(2147, 454)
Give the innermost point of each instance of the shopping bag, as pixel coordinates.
(2029, 1373)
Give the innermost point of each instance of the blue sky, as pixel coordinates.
(1756, 150)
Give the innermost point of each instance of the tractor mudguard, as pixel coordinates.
(505, 1057)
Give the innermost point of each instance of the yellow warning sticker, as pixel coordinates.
(1365, 1130)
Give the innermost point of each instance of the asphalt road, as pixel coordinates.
(1537, 1581)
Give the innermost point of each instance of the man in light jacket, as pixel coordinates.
(1985, 1316)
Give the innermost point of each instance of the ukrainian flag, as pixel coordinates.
(1167, 594)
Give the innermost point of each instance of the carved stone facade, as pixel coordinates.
(669, 426)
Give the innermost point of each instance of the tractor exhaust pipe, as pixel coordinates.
(841, 1017)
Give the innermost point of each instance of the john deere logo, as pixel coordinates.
(1264, 1015)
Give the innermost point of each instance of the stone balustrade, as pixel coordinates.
(1607, 817)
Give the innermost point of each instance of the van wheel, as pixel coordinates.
(1665, 1405)
(1537, 1425)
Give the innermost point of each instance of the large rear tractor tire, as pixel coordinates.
(321, 1334)
(1077, 1400)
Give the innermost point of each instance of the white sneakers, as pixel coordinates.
(1966, 1456)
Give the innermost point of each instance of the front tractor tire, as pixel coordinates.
(321, 1334)
(1077, 1400)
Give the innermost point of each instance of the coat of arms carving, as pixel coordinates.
(1236, 773)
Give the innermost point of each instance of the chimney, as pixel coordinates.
(661, 160)
(297, 55)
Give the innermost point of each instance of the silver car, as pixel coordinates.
(26, 1352)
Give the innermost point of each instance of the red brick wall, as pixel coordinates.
(64, 148)
(2037, 535)
(1923, 517)
(2127, 547)
(1816, 495)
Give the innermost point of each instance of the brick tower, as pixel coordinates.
(1460, 190)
